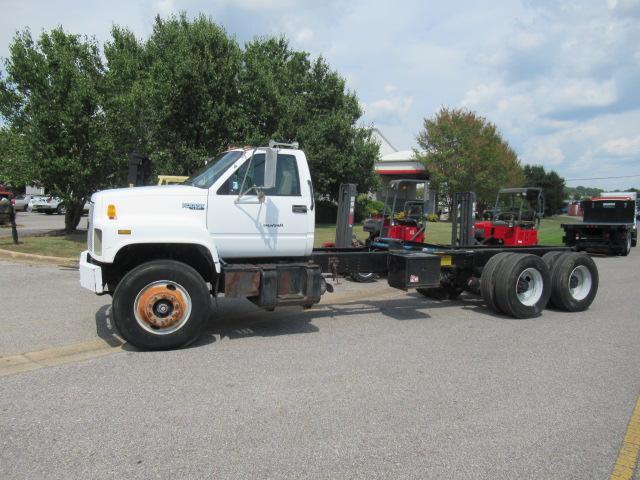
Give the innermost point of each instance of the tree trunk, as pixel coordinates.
(72, 217)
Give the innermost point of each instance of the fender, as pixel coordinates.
(148, 230)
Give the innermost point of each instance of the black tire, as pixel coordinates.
(487, 279)
(61, 209)
(140, 281)
(569, 272)
(440, 293)
(626, 250)
(519, 275)
(364, 277)
(550, 258)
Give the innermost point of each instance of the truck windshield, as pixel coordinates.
(207, 175)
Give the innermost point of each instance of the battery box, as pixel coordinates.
(413, 270)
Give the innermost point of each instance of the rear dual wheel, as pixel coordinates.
(628, 242)
(488, 279)
(574, 282)
(521, 285)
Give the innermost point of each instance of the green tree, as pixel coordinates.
(51, 98)
(189, 91)
(15, 170)
(462, 151)
(581, 193)
(183, 94)
(551, 183)
(287, 96)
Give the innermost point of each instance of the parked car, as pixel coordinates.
(21, 202)
(49, 205)
(33, 200)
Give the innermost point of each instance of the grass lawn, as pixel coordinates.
(440, 232)
(70, 246)
(54, 246)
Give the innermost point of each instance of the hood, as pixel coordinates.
(153, 191)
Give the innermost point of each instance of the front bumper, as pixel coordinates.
(90, 274)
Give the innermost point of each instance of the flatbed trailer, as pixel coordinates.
(608, 226)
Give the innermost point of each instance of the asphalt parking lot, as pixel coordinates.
(33, 223)
(371, 383)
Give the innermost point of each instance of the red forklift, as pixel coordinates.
(403, 217)
(515, 219)
(404, 214)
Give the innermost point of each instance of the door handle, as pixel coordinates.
(299, 209)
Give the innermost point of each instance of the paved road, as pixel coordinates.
(383, 386)
(31, 223)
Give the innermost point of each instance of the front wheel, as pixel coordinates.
(160, 305)
(62, 209)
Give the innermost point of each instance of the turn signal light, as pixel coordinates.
(111, 212)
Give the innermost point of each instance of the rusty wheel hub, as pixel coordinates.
(162, 307)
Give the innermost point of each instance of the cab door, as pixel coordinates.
(243, 226)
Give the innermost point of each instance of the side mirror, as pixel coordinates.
(270, 164)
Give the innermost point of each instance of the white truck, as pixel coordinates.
(244, 226)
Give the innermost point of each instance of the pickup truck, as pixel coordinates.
(609, 225)
(243, 226)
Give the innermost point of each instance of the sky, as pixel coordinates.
(560, 79)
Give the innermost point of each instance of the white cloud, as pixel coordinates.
(388, 109)
(166, 7)
(546, 154)
(622, 146)
(559, 79)
(304, 35)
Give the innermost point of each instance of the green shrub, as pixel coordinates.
(432, 217)
(365, 207)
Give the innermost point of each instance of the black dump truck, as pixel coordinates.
(608, 226)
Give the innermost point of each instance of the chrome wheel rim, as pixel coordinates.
(162, 307)
(529, 287)
(580, 282)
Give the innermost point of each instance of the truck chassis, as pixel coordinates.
(165, 303)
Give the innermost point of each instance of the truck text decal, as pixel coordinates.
(273, 225)
(193, 206)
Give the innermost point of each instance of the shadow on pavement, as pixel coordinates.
(237, 319)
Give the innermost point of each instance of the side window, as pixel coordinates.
(287, 178)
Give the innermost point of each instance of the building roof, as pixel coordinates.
(386, 147)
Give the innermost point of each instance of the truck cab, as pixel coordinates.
(224, 211)
(242, 225)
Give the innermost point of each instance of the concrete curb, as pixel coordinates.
(38, 259)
